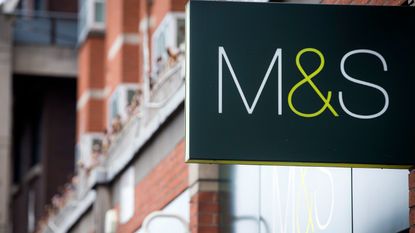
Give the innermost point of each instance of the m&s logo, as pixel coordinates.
(307, 79)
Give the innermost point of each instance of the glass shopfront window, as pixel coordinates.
(272, 199)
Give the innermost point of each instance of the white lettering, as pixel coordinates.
(385, 94)
(250, 109)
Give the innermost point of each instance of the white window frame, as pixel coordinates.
(121, 96)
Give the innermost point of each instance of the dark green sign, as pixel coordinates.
(271, 83)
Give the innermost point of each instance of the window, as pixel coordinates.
(99, 11)
(127, 195)
(39, 5)
(119, 101)
(168, 36)
(298, 199)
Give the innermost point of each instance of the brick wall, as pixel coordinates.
(122, 48)
(161, 186)
(91, 64)
(122, 66)
(170, 177)
(178, 5)
(104, 64)
(91, 77)
(158, 11)
(205, 212)
(123, 18)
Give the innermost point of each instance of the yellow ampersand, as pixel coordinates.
(307, 79)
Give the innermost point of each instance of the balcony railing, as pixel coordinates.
(122, 142)
(164, 88)
(45, 28)
(150, 116)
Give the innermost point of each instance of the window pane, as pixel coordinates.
(114, 106)
(99, 12)
(380, 200)
(180, 32)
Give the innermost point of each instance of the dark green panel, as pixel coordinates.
(251, 33)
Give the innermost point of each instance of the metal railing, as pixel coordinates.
(160, 214)
(45, 28)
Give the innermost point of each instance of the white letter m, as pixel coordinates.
(250, 109)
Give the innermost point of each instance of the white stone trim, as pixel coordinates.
(97, 94)
(145, 23)
(126, 38)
